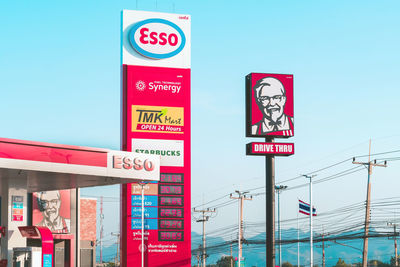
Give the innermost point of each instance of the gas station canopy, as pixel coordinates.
(48, 166)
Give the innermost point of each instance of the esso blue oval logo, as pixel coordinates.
(157, 38)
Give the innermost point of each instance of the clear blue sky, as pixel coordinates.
(60, 82)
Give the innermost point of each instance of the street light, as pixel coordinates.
(279, 189)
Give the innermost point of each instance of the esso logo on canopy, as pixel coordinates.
(157, 38)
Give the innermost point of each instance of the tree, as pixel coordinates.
(341, 263)
(378, 263)
(287, 264)
(392, 261)
(225, 261)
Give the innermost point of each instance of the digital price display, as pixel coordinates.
(170, 189)
(170, 213)
(170, 201)
(170, 236)
(171, 178)
(170, 224)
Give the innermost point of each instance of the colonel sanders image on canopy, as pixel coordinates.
(270, 96)
(49, 204)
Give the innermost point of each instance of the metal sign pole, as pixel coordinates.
(142, 250)
(270, 206)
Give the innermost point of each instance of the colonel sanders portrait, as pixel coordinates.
(49, 203)
(270, 96)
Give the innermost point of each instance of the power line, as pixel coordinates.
(324, 179)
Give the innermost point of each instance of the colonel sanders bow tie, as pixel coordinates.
(274, 124)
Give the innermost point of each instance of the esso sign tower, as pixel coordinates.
(156, 116)
(157, 38)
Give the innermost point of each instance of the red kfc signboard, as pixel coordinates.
(269, 105)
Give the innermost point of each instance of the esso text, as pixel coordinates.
(157, 38)
(147, 37)
(134, 163)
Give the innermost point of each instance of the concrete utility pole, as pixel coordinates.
(323, 246)
(204, 218)
(369, 165)
(241, 196)
(323, 252)
(198, 256)
(231, 256)
(117, 258)
(279, 190)
(101, 230)
(311, 220)
(395, 242)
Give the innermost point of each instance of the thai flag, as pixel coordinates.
(305, 208)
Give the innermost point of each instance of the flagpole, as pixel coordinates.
(142, 250)
(298, 239)
(311, 226)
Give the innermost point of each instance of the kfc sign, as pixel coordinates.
(273, 149)
(269, 105)
(157, 38)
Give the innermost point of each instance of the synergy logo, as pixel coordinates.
(140, 85)
(155, 119)
(159, 86)
(157, 38)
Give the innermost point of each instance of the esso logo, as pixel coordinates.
(157, 38)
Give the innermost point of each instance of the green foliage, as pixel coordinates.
(371, 263)
(378, 263)
(341, 263)
(287, 264)
(225, 261)
(393, 261)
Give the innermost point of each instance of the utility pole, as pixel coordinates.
(395, 242)
(117, 258)
(369, 165)
(101, 230)
(323, 251)
(231, 256)
(323, 246)
(311, 220)
(198, 256)
(279, 190)
(241, 197)
(204, 218)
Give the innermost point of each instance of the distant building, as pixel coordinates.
(87, 231)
